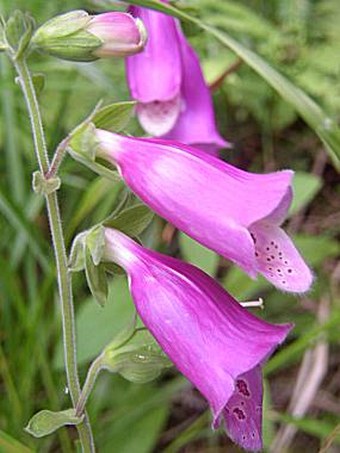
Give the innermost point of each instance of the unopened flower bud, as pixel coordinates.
(77, 36)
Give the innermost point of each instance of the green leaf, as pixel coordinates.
(197, 254)
(305, 187)
(46, 422)
(10, 445)
(132, 220)
(96, 279)
(324, 126)
(114, 117)
(38, 82)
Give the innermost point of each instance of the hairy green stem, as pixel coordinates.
(64, 280)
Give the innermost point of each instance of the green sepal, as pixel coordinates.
(77, 254)
(19, 30)
(132, 221)
(76, 47)
(44, 186)
(95, 243)
(46, 422)
(139, 360)
(96, 279)
(82, 147)
(61, 26)
(114, 117)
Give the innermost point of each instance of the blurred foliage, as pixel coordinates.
(301, 38)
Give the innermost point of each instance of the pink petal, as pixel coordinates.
(278, 259)
(243, 412)
(196, 124)
(158, 117)
(155, 74)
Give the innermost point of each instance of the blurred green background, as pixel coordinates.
(301, 38)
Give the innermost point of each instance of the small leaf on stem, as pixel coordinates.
(46, 422)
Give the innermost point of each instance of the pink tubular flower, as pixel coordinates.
(236, 213)
(167, 81)
(211, 339)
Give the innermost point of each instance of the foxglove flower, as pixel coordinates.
(211, 339)
(167, 81)
(78, 36)
(236, 213)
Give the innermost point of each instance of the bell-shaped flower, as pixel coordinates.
(167, 81)
(79, 36)
(215, 342)
(236, 213)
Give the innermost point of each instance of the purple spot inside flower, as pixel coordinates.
(239, 413)
(242, 387)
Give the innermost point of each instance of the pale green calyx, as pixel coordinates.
(138, 357)
(65, 37)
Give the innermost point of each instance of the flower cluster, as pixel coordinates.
(215, 342)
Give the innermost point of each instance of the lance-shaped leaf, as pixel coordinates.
(46, 422)
(114, 117)
(132, 220)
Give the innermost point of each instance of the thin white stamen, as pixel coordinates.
(253, 303)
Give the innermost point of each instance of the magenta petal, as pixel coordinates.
(243, 412)
(196, 124)
(211, 201)
(278, 259)
(155, 73)
(206, 333)
(158, 117)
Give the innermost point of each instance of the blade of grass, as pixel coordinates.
(14, 161)
(16, 218)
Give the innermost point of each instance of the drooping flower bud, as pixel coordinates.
(77, 36)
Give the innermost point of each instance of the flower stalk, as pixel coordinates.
(64, 281)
